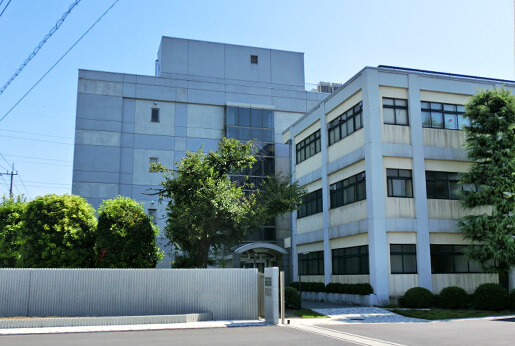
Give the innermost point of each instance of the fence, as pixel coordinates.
(227, 293)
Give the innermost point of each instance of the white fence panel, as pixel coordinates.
(227, 293)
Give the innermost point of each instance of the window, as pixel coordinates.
(311, 263)
(348, 190)
(345, 124)
(444, 185)
(399, 183)
(311, 204)
(152, 213)
(403, 258)
(253, 59)
(395, 111)
(350, 261)
(151, 161)
(452, 259)
(308, 147)
(155, 115)
(443, 115)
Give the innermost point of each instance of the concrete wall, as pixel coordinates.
(227, 293)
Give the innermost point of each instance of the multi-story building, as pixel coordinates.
(380, 159)
(201, 92)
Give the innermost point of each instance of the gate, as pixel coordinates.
(261, 294)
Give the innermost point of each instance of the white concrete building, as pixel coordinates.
(379, 158)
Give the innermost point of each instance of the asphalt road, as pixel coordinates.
(500, 331)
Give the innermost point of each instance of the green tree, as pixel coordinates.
(11, 211)
(207, 212)
(490, 140)
(126, 236)
(58, 231)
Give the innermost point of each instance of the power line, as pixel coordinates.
(5, 8)
(37, 140)
(25, 187)
(59, 60)
(38, 158)
(8, 164)
(37, 134)
(41, 182)
(40, 45)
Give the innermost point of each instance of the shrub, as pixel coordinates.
(295, 284)
(292, 298)
(364, 289)
(453, 297)
(490, 296)
(333, 287)
(511, 300)
(418, 297)
(318, 287)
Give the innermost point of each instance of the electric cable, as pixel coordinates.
(5, 8)
(59, 60)
(40, 45)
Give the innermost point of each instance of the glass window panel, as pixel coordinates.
(461, 264)
(436, 120)
(331, 137)
(426, 119)
(232, 115)
(244, 117)
(362, 194)
(405, 173)
(410, 263)
(451, 121)
(436, 106)
(401, 103)
(389, 115)
(461, 109)
(268, 118)
(462, 121)
(396, 263)
(232, 132)
(475, 267)
(441, 190)
(317, 145)
(442, 263)
(424, 105)
(268, 135)
(409, 188)
(392, 172)
(402, 117)
(350, 126)
(357, 121)
(449, 108)
(399, 188)
(441, 175)
(430, 189)
(343, 130)
(409, 248)
(387, 101)
(155, 115)
(395, 248)
(256, 116)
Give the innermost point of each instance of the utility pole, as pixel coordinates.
(12, 174)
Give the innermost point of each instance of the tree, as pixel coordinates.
(58, 231)
(11, 211)
(207, 212)
(126, 236)
(490, 140)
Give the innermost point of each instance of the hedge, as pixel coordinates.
(418, 297)
(490, 296)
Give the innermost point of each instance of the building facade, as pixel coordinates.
(201, 92)
(380, 159)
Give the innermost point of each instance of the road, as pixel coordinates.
(500, 331)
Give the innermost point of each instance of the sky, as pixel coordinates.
(338, 38)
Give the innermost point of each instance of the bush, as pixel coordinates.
(333, 287)
(418, 297)
(295, 284)
(511, 300)
(453, 297)
(318, 287)
(292, 298)
(363, 289)
(490, 296)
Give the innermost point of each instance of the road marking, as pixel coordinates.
(353, 338)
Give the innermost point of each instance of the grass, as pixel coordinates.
(446, 314)
(308, 313)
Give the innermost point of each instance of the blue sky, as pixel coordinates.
(338, 38)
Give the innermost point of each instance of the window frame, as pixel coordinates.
(337, 191)
(453, 252)
(403, 253)
(152, 160)
(312, 204)
(155, 111)
(430, 108)
(341, 256)
(303, 148)
(152, 214)
(335, 126)
(406, 179)
(396, 108)
(305, 263)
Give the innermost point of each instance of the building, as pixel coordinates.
(379, 159)
(201, 92)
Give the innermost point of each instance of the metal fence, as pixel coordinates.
(227, 293)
